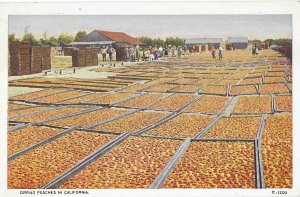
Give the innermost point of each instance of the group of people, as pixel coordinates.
(132, 54)
(213, 52)
(107, 50)
(152, 53)
(179, 51)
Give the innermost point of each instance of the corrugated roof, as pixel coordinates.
(203, 40)
(237, 40)
(120, 37)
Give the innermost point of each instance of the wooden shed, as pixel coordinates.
(99, 38)
(238, 42)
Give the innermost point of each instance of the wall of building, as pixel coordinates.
(240, 45)
(82, 47)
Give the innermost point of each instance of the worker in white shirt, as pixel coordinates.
(220, 53)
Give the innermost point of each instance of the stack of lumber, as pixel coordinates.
(36, 59)
(120, 53)
(88, 56)
(46, 57)
(25, 59)
(78, 58)
(94, 56)
(19, 63)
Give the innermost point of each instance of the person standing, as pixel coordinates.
(184, 50)
(220, 53)
(137, 53)
(126, 54)
(160, 52)
(132, 54)
(103, 52)
(148, 52)
(110, 51)
(152, 54)
(143, 54)
(155, 53)
(166, 51)
(179, 52)
(173, 52)
(254, 49)
(213, 52)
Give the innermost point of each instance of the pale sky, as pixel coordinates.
(184, 26)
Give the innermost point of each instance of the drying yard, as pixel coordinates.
(188, 123)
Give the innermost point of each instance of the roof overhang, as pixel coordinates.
(91, 43)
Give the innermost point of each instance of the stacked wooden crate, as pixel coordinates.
(46, 57)
(36, 59)
(94, 56)
(78, 58)
(120, 53)
(25, 63)
(88, 56)
(24, 59)
(14, 62)
(19, 58)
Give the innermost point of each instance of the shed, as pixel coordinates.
(99, 38)
(204, 43)
(238, 42)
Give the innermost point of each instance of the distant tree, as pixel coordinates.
(29, 37)
(174, 41)
(179, 41)
(158, 42)
(45, 35)
(283, 41)
(254, 41)
(53, 41)
(170, 41)
(279, 42)
(65, 39)
(146, 40)
(44, 40)
(79, 35)
(11, 37)
(269, 41)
